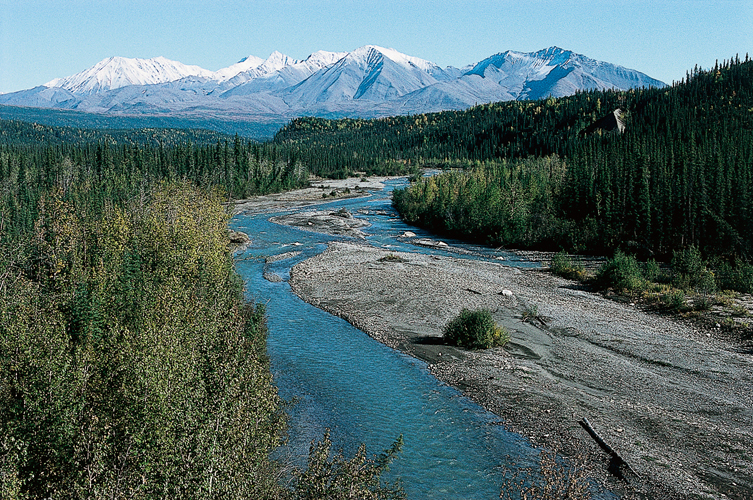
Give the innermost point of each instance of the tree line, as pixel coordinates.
(679, 175)
(131, 365)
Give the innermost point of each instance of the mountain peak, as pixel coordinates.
(245, 64)
(370, 81)
(116, 72)
(395, 56)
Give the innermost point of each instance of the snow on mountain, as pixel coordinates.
(278, 72)
(368, 82)
(555, 72)
(116, 72)
(245, 64)
(368, 73)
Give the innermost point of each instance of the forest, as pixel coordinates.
(547, 174)
(131, 364)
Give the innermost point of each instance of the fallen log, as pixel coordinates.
(616, 458)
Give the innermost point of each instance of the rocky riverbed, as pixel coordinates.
(675, 401)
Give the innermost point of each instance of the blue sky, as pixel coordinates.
(44, 39)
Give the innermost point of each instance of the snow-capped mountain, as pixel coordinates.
(370, 73)
(116, 72)
(274, 76)
(555, 72)
(245, 64)
(370, 81)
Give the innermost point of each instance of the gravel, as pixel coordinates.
(674, 402)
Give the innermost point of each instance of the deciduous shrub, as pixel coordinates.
(738, 278)
(652, 271)
(689, 271)
(621, 272)
(674, 299)
(562, 265)
(475, 330)
(332, 476)
(554, 481)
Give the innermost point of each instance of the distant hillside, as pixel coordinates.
(67, 118)
(681, 174)
(15, 132)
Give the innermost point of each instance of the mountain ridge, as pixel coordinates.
(368, 82)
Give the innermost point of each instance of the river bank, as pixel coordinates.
(673, 400)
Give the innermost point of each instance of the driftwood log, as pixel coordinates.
(617, 461)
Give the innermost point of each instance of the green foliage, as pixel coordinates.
(475, 330)
(689, 271)
(69, 126)
(505, 203)
(737, 277)
(562, 265)
(130, 363)
(332, 476)
(681, 174)
(621, 272)
(674, 299)
(652, 271)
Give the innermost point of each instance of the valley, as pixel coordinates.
(148, 349)
(644, 381)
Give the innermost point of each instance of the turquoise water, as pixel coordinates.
(339, 378)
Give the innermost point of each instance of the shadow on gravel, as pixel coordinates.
(429, 340)
(578, 286)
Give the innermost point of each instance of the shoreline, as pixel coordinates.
(672, 399)
(591, 357)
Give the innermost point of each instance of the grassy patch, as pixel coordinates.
(391, 257)
(562, 265)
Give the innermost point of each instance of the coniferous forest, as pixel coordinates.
(545, 174)
(130, 363)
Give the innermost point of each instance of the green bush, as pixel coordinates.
(475, 330)
(702, 303)
(332, 476)
(621, 272)
(689, 271)
(562, 265)
(738, 278)
(652, 271)
(674, 299)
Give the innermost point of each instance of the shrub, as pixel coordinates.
(702, 303)
(332, 476)
(738, 278)
(652, 271)
(475, 330)
(689, 271)
(674, 299)
(621, 272)
(563, 266)
(391, 257)
(531, 314)
(555, 480)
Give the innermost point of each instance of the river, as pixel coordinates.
(337, 377)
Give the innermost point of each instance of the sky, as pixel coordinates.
(44, 39)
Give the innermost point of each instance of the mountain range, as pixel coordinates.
(368, 82)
